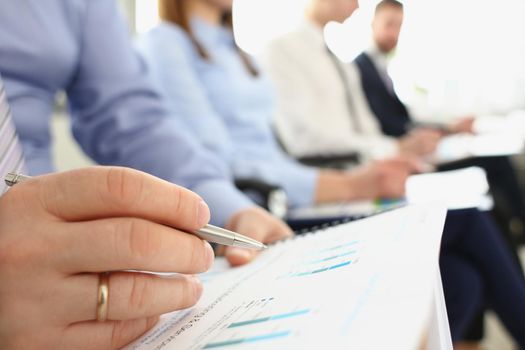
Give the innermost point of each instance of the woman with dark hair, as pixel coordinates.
(227, 102)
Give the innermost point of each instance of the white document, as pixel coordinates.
(457, 189)
(344, 209)
(439, 337)
(464, 146)
(363, 285)
(512, 124)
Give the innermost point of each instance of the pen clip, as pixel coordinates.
(12, 179)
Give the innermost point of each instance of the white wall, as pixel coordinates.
(66, 152)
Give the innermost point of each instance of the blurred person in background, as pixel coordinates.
(227, 100)
(392, 114)
(321, 109)
(396, 120)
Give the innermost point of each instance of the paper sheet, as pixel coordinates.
(459, 147)
(512, 124)
(457, 189)
(363, 285)
(344, 209)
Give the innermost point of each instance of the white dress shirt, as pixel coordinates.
(313, 117)
(381, 62)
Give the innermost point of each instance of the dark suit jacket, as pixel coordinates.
(388, 109)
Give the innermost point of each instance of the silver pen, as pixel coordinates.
(208, 233)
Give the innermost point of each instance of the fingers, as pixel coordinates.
(101, 192)
(107, 335)
(257, 224)
(130, 244)
(261, 225)
(282, 231)
(465, 125)
(132, 295)
(395, 188)
(421, 141)
(237, 256)
(417, 165)
(140, 295)
(405, 164)
(391, 177)
(426, 133)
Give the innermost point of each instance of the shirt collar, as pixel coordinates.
(315, 32)
(380, 59)
(210, 34)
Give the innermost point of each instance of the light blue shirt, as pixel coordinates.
(229, 110)
(83, 48)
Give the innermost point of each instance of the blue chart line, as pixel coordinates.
(332, 257)
(269, 318)
(248, 340)
(300, 274)
(339, 246)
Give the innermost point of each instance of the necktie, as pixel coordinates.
(348, 94)
(11, 157)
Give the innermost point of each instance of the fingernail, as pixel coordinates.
(203, 213)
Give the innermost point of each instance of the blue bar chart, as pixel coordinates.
(269, 318)
(260, 321)
(248, 340)
(328, 258)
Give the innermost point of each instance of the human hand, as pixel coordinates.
(382, 179)
(464, 125)
(58, 232)
(420, 142)
(258, 224)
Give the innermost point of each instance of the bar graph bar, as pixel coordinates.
(259, 338)
(313, 272)
(270, 318)
(333, 257)
(326, 258)
(339, 246)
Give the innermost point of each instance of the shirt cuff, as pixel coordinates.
(301, 188)
(223, 199)
(385, 147)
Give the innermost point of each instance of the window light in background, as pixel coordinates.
(147, 15)
(454, 57)
(468, 55)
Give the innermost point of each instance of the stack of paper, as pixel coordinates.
(457, 189)
(511, 124)
(363, 285)
(345, 209)
(495, 135)
(464, 146)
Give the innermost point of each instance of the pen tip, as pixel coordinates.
(264, 246)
